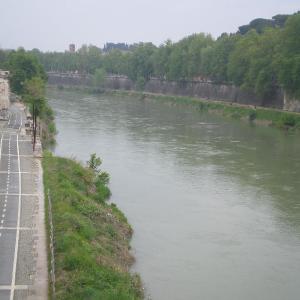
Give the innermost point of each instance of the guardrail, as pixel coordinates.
(51, 245)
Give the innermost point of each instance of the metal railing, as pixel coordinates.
(51, 245)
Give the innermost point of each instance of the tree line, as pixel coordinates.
(261, 56)
(28, 79)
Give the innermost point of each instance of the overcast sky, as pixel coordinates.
(54, 24)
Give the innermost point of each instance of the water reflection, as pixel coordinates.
(214, 203)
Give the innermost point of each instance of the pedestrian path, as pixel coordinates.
(23, 263)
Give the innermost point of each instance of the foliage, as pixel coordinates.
(140, 63)
(263, 56)
(251, 63)
(28, 79)
(91, 237)
(288, 60)
(215, 59)
(252, 115)
(23, 66)
(99, 77)
(94, 164)
(259, 25)
(34, 94)
(86, 60)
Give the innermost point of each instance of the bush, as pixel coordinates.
(288, 120)
(140, 83)
(252, 115)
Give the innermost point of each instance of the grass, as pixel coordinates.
(48, 128)
(92, 257)
(260, 115)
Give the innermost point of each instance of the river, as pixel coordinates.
(214, 203)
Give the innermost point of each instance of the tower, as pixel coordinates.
(72, 48)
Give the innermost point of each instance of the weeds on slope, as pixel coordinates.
(92, 257)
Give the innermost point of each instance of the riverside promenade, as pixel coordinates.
(23, 258)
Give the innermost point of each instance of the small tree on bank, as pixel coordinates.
(99, 78)
(94, 164)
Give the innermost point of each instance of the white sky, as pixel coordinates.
(54, 24)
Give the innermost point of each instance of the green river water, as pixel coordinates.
(214, 203)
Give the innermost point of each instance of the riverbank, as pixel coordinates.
(92, 257)
(200, 191)
(249, 113)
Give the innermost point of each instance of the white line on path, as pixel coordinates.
(11, 172)
(1, 146)
(13, 281)
(19, 140)
(16, 287)
(15, 228)
(0, 161)
(7, 187)
(17, 155)
(17, 194)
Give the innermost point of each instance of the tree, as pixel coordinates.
(240, 58)
(251, 63)
(23, 66)
(35, 97)
(99, 77)
(94, 164)
(161, 59)
(215, 58)
(288, 60)
(262, 77)
(141, 62)
(196, 43)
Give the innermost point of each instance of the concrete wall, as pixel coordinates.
(291, 104)
(4, 94)
(204, 90)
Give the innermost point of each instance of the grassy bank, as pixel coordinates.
(47, 125)
(257, 115)
(92, 237)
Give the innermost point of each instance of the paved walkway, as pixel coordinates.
(23, 261)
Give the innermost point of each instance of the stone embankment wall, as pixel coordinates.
(4, 94)
(291, 104)
(198, 89)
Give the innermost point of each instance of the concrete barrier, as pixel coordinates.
(198, 89)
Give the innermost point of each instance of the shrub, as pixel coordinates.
(288, 120)
(252, 115)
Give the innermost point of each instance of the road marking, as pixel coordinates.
(19, 140)
(9, 118)
(16, 287)
(17, 194)
(7, 185)
(11, 172)
(13, 281)
(15, 228)
(1, 146)
(24, 155)
(9, 131)
(21, 121)
(10, 139)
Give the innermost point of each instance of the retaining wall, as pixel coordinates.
(203, 90)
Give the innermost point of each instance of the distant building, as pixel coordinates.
(4, 90)
(119, 46)
(72, 48)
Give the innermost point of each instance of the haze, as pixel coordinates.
(52, 25)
